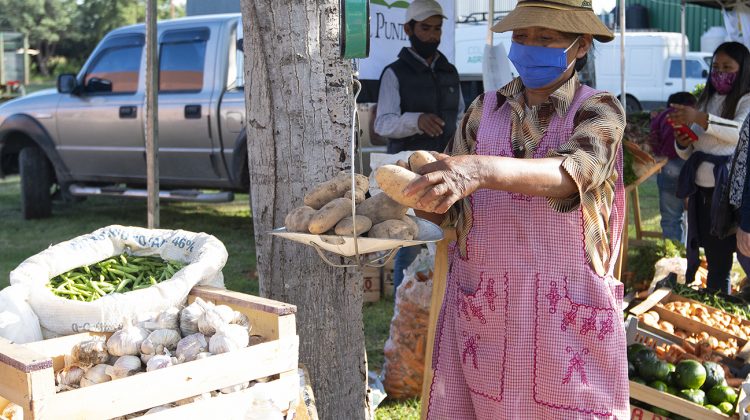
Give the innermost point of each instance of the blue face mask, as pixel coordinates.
(539, 66)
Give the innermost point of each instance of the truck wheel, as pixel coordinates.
(36, 183)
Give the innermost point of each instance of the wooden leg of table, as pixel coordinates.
(636, 213)
(439, 282)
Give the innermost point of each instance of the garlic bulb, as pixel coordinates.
(213, 318)
(241, 319)
(124, 366)
(159, 361)
(12, 412)
(234, 388)
(191, 346)
(91, 352)
(69, 377)
(127, 341)
(168, 319)
(189, 317)
(160, 340)
(146, 357)
(95, 375)
(228, 337)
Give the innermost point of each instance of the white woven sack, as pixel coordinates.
(204, 254)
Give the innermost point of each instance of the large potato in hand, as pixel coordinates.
(420, 158)
(299, 219)
(380, 208)
(392, 179)
(329, 215)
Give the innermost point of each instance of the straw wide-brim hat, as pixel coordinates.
(572, 16)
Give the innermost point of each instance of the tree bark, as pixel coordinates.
(298, 96)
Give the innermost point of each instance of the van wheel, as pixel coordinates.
(632, 104)
(36, 183)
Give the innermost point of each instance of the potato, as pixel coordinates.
(420, 158)
(358, 195)
(413, 228)
(392, 180)
(391, 229)
(344, 227)
(380, 208)
(324, 192)
(299, 219)
(329, 215)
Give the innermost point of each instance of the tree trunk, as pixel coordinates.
(298, 100)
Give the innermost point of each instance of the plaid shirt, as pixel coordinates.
(589, 157)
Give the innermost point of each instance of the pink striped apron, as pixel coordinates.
(527, 329)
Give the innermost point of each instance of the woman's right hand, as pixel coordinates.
(682, 139)
(743, 242)
(446, 181)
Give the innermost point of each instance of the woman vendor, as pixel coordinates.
(530, 325)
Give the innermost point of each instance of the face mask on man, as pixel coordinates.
(425, 50)
(539, 66)
(723, 81)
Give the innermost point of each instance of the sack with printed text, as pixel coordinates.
(202, 254)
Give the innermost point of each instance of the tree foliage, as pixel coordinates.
(72, 28)
(46, 22)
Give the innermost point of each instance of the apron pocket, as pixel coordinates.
(579, 350)
(480, 333)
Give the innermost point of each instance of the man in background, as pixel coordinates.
(420, 101)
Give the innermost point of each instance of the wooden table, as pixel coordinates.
(632, 191)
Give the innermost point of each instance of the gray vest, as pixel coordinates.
(429, 90)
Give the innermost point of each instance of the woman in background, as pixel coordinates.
(722, 107)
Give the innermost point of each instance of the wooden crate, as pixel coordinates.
(660, 399)
(656, 301)
(27, 371)
(638, 413)
(674, 404)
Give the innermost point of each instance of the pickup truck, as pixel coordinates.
(87, 136)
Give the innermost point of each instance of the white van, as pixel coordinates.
(653, 67)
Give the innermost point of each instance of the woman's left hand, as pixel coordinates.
(446, 181)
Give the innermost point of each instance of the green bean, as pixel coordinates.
(117, 274)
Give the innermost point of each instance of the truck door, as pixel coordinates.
(187, 149)
(100, 127)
